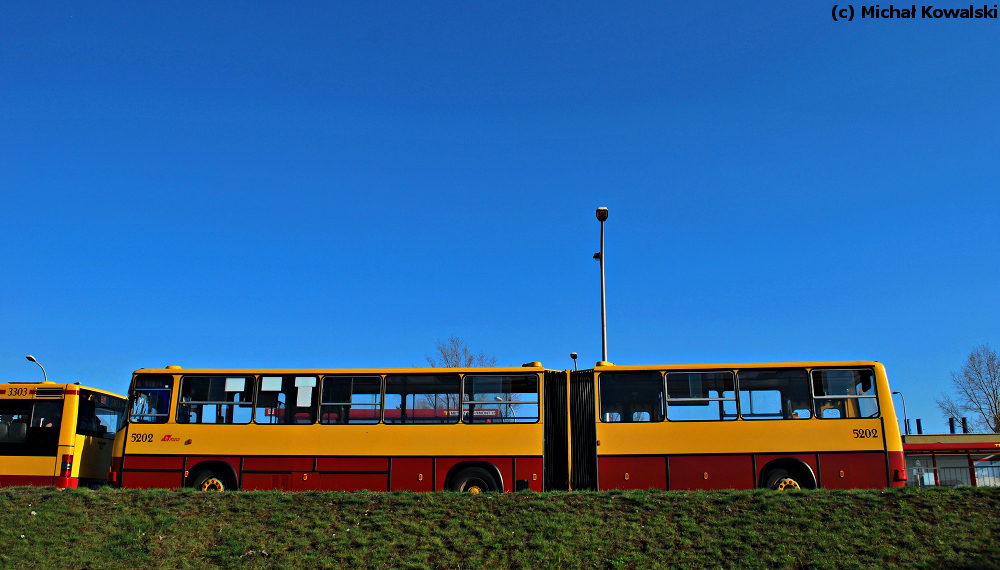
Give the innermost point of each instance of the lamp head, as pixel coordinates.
(31, 358)
(602, 214)
(572, 355)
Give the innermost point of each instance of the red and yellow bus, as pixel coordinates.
(736, 426)
(743, 426)
(475, 429)
(57, 434)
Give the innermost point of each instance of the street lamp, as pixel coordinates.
(602, 215)
(906, 421)
(573, 356)
(44, 375)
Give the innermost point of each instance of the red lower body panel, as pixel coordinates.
(27, 481)
(412, 474)
(330, 473)
(632, 472)
(856, 470)
(711, 472)
(529, 469)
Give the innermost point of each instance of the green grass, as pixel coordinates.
(928, 528)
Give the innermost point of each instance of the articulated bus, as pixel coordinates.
(742, 426)
(57, 434)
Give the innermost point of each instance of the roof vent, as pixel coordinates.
(604, 363)
(532, 365)
(173, 367)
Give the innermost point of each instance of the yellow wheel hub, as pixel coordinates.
(787, 483)
(475, 489)
(213, 484)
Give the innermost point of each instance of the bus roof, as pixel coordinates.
(529, 367)
(740, 365)
(294, 371)
(59, 386)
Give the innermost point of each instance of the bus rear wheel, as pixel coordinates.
(209, 481)
(781, 480)
(474, 480)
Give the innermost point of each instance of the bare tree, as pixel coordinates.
(456, 354)
(977, 387)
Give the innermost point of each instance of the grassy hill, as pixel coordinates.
(931, 528)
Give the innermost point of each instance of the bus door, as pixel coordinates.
(583, 431)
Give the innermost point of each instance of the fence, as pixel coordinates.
(986, 476)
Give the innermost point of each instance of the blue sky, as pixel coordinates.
(343, 184)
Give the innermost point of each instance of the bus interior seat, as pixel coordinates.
(17, 432)
(303, 418)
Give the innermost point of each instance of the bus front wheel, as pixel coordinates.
(781, 480)
(208, 481)
(474, 480)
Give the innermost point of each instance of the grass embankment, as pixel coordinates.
(933, 528)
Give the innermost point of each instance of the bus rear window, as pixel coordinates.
(100, 415)
(844, 393)
(151, 398)
(30, 427)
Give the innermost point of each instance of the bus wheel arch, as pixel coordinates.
(787, 474)
(212, 476)
(474, 477)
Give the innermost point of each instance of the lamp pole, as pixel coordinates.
(906, 421)
(44, 375)
(602, 215)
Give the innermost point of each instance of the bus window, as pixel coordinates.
(696, 396)
(631, 397)
(215, 400)
(288, 400)
(781, 394)
(421, 398)
(29, 427)
(99, 414)
(500, 399)
(350, 400)
(844, 393)
(151, 398)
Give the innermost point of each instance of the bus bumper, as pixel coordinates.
(66, 482)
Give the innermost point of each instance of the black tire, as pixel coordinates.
(474, 480)
(209, 481)
(784, 480)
